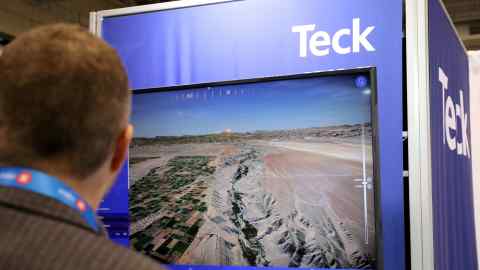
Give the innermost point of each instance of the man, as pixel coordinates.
(64, 135)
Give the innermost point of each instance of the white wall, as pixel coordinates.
(475, 136)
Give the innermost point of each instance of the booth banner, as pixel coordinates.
(252, 39)
(113, 209)
(453, 214)
(114, 202)
(474, 60)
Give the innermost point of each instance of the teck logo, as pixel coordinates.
(453, 112)
(321, 42)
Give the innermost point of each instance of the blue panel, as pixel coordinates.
(115, 202)
(117, 226)
(114, 209)
(453, 215)
(248, 39)
(123, 241)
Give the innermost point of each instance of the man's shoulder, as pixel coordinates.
(99, 253)
(109, 255)
(84, 250)
(50, 243)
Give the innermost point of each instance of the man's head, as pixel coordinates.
(64, 105)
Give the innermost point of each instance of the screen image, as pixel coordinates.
(275, 172)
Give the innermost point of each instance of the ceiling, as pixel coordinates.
(463, 11)
(460, 10)
(466, 16)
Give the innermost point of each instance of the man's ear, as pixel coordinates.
(121, 148)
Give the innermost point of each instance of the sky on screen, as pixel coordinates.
(276, 105)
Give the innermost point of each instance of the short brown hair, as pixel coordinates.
(63, 96)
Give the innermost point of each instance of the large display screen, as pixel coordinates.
(274, 172)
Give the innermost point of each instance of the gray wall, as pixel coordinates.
(17, 16)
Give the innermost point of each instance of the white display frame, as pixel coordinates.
(96, 17)
(474, 59)
(419, 143)
(419, 132)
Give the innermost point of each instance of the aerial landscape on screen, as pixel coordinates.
(275, 173)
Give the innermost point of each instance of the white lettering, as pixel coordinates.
(66, 194)
(320, 42)
(303, 29)
(8, 176)
(451, 112)
(320, 39)
(336, 41)
(444, 81)
(361, 38)
(464, 121)
(450, 123)
(459, 144)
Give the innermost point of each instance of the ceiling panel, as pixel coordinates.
(463, 10)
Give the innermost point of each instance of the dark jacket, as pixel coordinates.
(37, 232)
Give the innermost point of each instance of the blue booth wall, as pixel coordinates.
(250, 39)
(114, 209)
(452, 190)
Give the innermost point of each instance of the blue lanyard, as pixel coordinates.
(48, 186)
